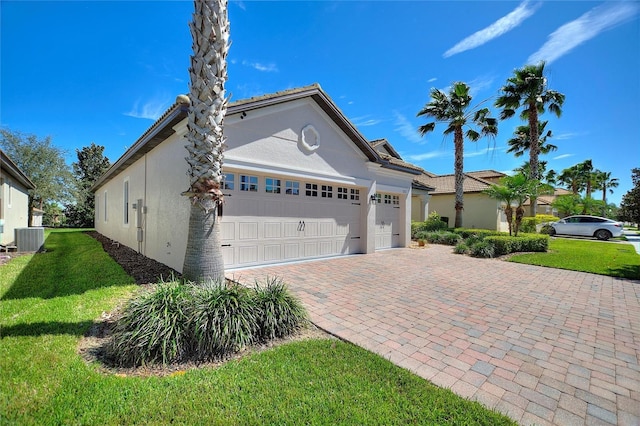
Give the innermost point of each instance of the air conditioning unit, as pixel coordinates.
(29, 239)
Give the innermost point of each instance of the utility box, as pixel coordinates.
(29, 239)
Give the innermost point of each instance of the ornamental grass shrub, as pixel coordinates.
(482, 249)
(280, 314)
(529, 224)
(433, 223)
(177, 321)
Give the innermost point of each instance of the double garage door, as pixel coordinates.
(265, 227)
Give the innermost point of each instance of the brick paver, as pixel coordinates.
(544, 346)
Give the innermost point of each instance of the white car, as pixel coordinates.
(587, 226)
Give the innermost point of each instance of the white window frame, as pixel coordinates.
(229, 184)
(249, 185)
(272, 185)
(292, 187)
(125, 201)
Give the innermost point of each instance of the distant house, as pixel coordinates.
(480, 211)
(14, 199)
(301, 182)
(545, 201)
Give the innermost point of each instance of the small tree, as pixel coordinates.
(630, 205)
(87, 170)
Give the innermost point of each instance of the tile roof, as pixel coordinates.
(486, 174)
(445, 184)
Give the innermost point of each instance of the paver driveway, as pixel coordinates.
(544, 346)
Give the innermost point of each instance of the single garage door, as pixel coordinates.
(271, 219)
(387, 221)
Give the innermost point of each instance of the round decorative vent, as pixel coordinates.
(310, 138)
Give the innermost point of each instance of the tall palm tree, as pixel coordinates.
(549, 177)
(520, 142)
(606, 182)
(208, 73)
(454, 109)
(527, 89)
(588, 176)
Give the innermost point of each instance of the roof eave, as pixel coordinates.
(14, 170)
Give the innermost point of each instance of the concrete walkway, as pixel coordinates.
(543, 346)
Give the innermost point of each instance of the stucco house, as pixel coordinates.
(480, 211)
(301, 182)
(14, 199)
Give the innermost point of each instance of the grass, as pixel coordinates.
(49, 300)
(616, 260)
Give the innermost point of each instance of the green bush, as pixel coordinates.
(547, 229)
(480, 233)
(280, 314)
(153, 327)
(223, 319)
(461, 248)
(433, 223)
(504, 244)
(177, 322)
(529, 223)
(450, 238)
(482, 249)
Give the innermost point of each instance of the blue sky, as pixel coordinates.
(101, 72)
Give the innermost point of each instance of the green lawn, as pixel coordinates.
(613, 259)
(49, 300)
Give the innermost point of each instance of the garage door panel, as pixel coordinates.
(310, 228)
(247, 254)
(272, 230)
(248, 230)
(227, 230)
(291, 251)
(292, 229)
(326, 229)
(228, 256)
(272, 252)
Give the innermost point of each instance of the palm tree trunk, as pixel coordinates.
(508, 211)
(534, 150)
(208, 74)
(459, 175)
(519, 216)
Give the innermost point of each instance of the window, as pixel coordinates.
(105, 206)
(125, 202)
(343, 193)
(387, 199)
(292, 187)
(355, 194)
(229, 181)
(396, 200)
(311, 190)
(327, 191)
(378, 198)
(272, 186)
(248, 183)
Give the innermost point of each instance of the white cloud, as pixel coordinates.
(565, 136)
(560, 157)
(589, 25)
(365, 121)
(151, 110)
(498, 28)
(428, 155)
(431, 80)
(261, 67)
(487, 150)
(406, 129)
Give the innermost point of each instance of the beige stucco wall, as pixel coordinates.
(15, 207)
(480, 211)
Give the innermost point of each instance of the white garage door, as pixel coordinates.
(269, 220)
(387, 221)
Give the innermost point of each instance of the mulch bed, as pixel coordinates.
(141, 268)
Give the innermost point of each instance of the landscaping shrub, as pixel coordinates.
(461, 248)
(523, 243)
(433, 223)
(482, 249)
(529, 223)
(450, 238)
(177, 322)
(223, 319)
(280, 314)
(153, 327)
(481, 233)
(547, 229)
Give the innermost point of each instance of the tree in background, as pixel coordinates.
(527, 90)
(547, 177)
(605, 182)
(454, 109)
(571, 177)
(208, 73)
(87, 170)
(630, 205)
(43, 163)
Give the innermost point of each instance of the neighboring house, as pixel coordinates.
(301, 182)
(36, 217)
(480, 211)
(14, 199)
(545, 201)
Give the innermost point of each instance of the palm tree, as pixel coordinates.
(506, 195)
(208, 73)
(588, 176)
(527, 89)
(549, 177)
(606, 182)
(454, 109)
(571, 177)
(520, 141)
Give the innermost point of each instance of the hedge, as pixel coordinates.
(504, 244)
